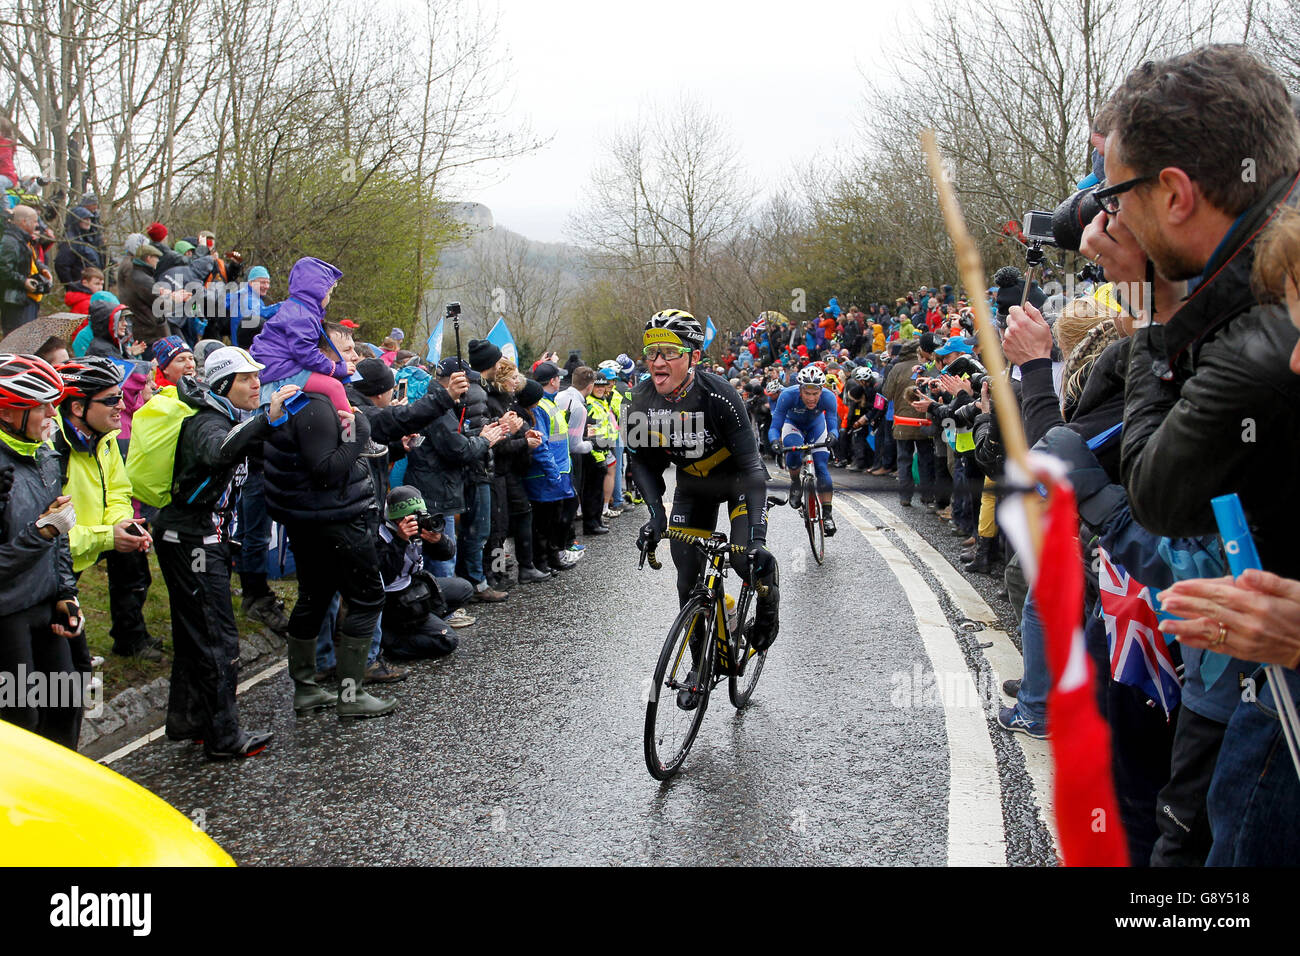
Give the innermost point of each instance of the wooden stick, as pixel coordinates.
(972, 275)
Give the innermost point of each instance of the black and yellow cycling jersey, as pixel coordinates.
(705, 431)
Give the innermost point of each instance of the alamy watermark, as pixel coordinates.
(36, 689)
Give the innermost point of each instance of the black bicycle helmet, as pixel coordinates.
(85, 377)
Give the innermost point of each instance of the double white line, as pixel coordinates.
(976, 835)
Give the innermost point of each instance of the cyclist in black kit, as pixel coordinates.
(696, 420)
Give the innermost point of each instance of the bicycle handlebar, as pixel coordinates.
(812, 447)
(716, 543)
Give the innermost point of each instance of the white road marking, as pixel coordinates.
(975, 830)
(154, 734)
(1003, 657)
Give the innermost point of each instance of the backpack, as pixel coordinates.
(151, 455)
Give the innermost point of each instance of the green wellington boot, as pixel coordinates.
(307, 694)
(354, 701)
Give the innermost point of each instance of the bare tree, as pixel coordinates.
(1273, 28)
(668, 193)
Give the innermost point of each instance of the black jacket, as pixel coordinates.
(389, 425)
(439, 466)
(507, 452)
(313, 471)
(1210, 406)
(32, 570)
(135, 290)
(475, 408)
(210, 451)
(510, 456)
(74, 255)
(17, 257)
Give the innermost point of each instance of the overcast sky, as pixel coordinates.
(786, 77)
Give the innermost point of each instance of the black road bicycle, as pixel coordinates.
(707, 642)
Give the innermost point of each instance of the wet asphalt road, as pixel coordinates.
(525, 746)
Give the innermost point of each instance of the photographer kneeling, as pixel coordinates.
(416, 601)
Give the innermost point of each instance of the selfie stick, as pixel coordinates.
(455, 325)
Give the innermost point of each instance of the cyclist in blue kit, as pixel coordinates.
(803, 414)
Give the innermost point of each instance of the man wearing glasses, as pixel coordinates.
(696, 420)
(1202, 150)
(94, 477)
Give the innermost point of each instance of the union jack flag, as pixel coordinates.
(1139, 653)
(758, 325)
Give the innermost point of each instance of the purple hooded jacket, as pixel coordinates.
(289, 342)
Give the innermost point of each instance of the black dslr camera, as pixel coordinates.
(427, 522)
(43, 284)
(1072, 216)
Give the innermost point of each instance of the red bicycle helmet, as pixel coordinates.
(28, 382)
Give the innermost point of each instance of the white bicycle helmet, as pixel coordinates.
(811, 375)
(773, 387)
(863, 374)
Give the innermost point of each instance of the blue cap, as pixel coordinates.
(954, 344)
(105, 296)
(258, 272)
(450, 366)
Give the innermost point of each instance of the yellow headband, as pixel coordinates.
(662, 337)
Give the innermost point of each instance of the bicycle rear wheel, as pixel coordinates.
(813, 520)
(741, 688)
(669, 730)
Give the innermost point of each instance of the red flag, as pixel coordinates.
(1087, 813)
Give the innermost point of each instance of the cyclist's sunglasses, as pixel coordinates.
(110, 401)
(665, 352)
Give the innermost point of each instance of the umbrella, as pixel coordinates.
(26, 339)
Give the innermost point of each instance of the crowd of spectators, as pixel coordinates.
(189, 414)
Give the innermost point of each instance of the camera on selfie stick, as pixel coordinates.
(1038, 233)
(453, 313)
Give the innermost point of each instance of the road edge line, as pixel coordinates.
(1002, 657)
(976, 829)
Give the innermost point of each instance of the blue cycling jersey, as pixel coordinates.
(789, 407)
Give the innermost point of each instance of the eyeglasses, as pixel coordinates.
(665, 352)
(1108, 196)
(110, 401)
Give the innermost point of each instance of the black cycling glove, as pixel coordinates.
(762, 562)
(652, 530)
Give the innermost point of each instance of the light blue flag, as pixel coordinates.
(500, 337)
(710, 331)
(434, 354)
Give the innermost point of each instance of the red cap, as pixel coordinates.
(349, 324)
(156, 231)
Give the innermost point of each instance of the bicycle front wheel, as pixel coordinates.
(741, 688)
(669, 729)
(813, 520)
